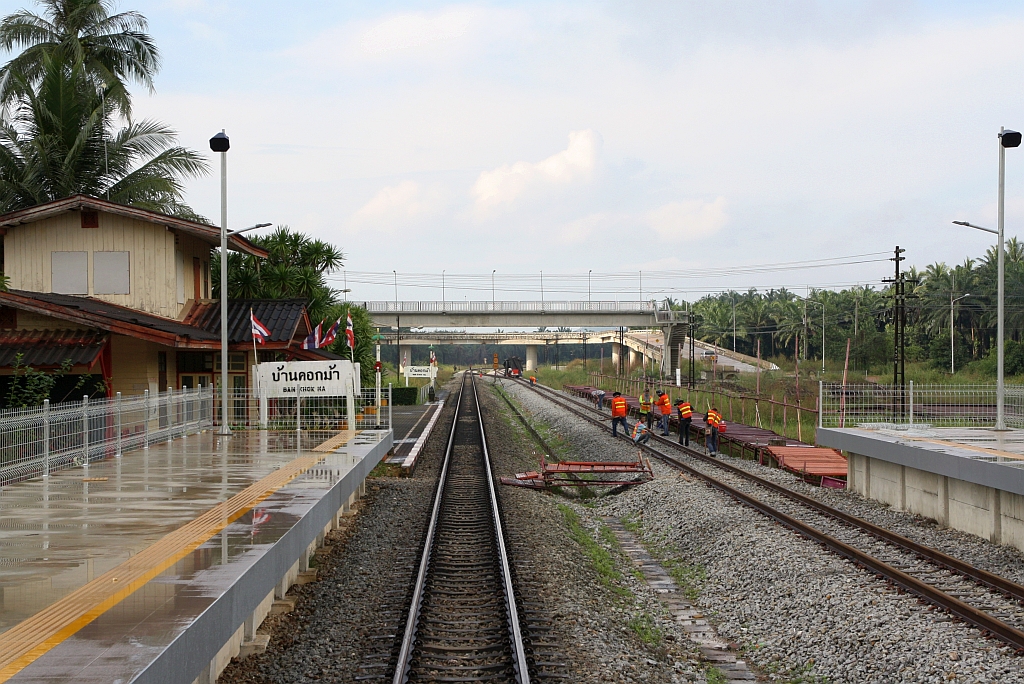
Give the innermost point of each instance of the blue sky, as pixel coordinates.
(613, 137)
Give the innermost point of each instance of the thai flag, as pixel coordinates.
(433, 359)
(313, 340)
(331, 334)
(259, 331)
(350, 334)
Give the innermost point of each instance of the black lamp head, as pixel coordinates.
(1010, 139)
(220, 142)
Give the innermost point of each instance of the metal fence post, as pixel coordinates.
(145, 419)
(391, 425)
(170, 414)
(298, 409)
(85, 428)
(821, 401)
(911, 402)
(117, 423)
(46, 437)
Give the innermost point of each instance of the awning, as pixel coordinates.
(43, 348)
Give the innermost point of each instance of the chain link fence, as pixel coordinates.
(40, 440)
(879, 406)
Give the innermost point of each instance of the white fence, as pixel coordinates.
(935, 405)
(40, 440)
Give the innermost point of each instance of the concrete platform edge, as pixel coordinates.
(191, 653)
(994, 475)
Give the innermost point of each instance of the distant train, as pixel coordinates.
(513, 367)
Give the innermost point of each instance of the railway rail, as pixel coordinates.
(992, 603)
(463, 622)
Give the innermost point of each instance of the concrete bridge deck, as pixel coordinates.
(504, 314)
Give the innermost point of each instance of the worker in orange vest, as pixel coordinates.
(619, 408)
(645, 400)
(685, 418)
(664, 405)
(713, 420)
(533, 380)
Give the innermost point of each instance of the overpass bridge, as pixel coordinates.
(525, 314)
(637, 346)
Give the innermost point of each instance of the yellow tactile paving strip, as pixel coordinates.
(27, 641)
(338, 440)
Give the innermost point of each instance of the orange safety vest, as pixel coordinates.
(645, 405)
(618, 407)
(665, 404)
(685, 410)
(714, 419)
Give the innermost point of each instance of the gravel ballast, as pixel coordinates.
(798, 610)
(330, 634)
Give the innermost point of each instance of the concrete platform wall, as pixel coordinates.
(232, 620)
(996, 515)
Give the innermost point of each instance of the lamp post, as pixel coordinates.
(1006, 138)
(952, 362)
(492, 288)
(220, 143)
(442, 291)
(590, 303)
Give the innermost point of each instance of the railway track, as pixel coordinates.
(990, 602)
(463, 622)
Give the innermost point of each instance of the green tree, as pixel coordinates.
(113, 49)
(56, 143)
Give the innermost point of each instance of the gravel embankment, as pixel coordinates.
(798, 610)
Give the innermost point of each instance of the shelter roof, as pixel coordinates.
(50, 347)
(203, 231)
(282, 317)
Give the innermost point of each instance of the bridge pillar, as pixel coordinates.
(635, 358)
(616, 351)
(404, 357)
(531, 357)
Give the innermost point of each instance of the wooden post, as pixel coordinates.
(842, 396)
(785, 417)
(730, 408)
(772, 420)
(758, 366)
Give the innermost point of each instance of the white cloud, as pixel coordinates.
(688, 218)
(506, 184)
(412, 30)
(397, 205)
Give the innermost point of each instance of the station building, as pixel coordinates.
(125, 295)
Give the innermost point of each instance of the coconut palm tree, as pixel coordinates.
(114, 49)
(295, 268)
(56, 142)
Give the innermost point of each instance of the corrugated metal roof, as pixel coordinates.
(50, 347)
(281, 317)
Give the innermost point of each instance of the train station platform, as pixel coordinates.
(413, 425)
(971, 479)
(158, 566)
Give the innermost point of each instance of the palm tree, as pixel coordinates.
(295, 268)
(56, 143)
(114, 49)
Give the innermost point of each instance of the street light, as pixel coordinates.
(221, 143)
(590, 303)
(952, 363)
(1006, 138)
(492, 288)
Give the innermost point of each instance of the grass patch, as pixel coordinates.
(714, 675)
(648, 632)
(601, 560)
(690, 578)
(632, 524)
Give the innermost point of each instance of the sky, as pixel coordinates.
(701, 143)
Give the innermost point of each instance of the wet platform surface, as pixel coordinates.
(64, 536)
(977, 444)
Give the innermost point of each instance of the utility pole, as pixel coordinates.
(805, 326)
(899, 326)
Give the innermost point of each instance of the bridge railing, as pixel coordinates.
(510, 307)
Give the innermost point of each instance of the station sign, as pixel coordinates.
(420, 371)
(306, 378)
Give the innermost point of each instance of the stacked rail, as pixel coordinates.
(990, 602)
(463, 623)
